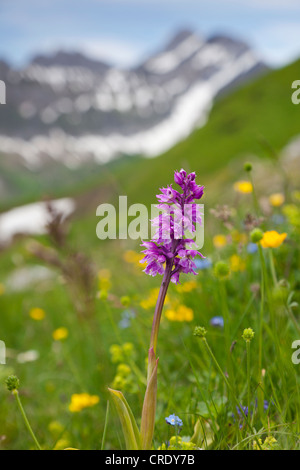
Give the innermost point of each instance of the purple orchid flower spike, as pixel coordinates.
(169, 253)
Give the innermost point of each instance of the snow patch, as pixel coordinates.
(31, 219)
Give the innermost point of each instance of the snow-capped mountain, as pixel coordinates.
(70, 108)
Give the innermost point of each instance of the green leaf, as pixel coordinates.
(216, 407)
(149, 406)
(129, 426)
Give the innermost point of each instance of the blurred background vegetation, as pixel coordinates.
(75, 312)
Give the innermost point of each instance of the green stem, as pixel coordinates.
(272, 265)
(293, 318)
(105, 425)
(159, 306)
(260, 333)
(16, 394)
(281, 366)
(226, 315)
(255, 200)
(248, 377)
(157, 315)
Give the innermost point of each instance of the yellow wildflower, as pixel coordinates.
(123, 377)
(276, 199)
(121, 353)
(185, 313)
(128, 348)
(132, 257)
(123, 369)
(104, 274)
(171, 314)
(119, 383)
(186, 286)
(177, 443)
(181, 314)
(219, 241)
(269, 443)
(238, 237)
(61, 444)
(80, 401)
(56, 428)
(237, 263)
(37, 314)
(152, 299)
(272, 239)
(244, 187)
(60, 333)
(104, 285)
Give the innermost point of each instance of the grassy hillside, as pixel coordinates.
(256, 119)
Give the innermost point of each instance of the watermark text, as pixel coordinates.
(296, 94)
(133, 222)
(2, 92)
(2, 353)
(296, 354)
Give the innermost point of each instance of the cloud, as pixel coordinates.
(279, 41)
(124, 31)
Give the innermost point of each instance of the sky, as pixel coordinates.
(124, 32)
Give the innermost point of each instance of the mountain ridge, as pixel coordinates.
(257, 119)
(86, 110)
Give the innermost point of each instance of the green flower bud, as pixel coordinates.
(221, 270)
(125, 301)
(200, 332)
(284, 284)
(280, 295)
(256, 235)
(123, 370)
(102, 295)
(248, 335)
(248, 166)
(12, 383)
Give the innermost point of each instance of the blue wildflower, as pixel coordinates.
(266, 404)
(126, 317)
(204, 263)
(124, 323)
(217, 322)
(173, 420)
(278, 219)
(243, 410)
(252, 248)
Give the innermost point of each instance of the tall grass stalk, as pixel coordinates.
(238, 405)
